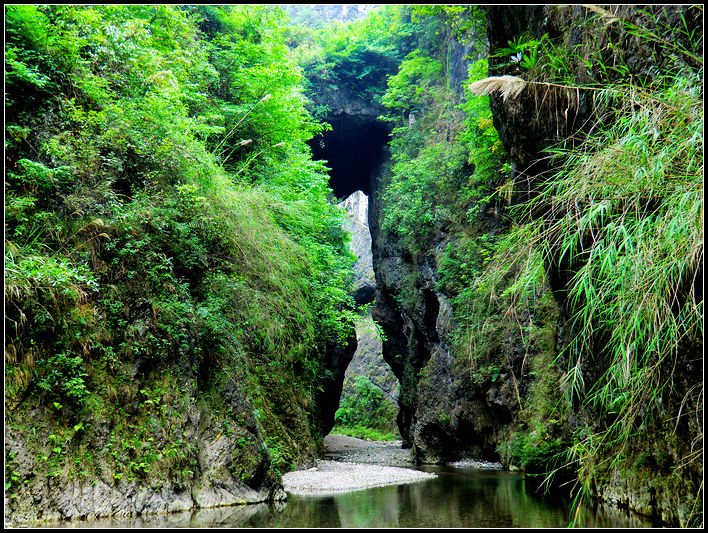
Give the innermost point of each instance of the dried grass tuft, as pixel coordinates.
(609, 17)
(507, 85)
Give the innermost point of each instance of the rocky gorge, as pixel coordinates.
(224, 367)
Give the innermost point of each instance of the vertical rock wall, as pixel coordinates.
(367, 361)
(444, 414)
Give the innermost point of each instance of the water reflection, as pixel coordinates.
(457, 498)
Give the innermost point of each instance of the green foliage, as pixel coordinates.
(544, 58)
(636, 239)
(163, 214)
(64, 375)
(366, 409)
(537, 453)
(485, 150)
(411, 88)
(522, 50)
(281, 460)
(417, 186)
(356, 57)
(619, 223)
(462, 263)
(366, 433)
(438, 175)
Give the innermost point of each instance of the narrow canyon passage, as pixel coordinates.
(242, 241)
(354, 151)
(370, 389)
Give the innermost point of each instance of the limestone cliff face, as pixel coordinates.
(368, 360)
(337, 360)
(445, 414)
(208, 436)
(357, 224)
(447, 410)
(222, 462)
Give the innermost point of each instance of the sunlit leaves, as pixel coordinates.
(412, 86)
(191, 148)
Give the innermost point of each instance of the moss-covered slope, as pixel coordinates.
(177, 280)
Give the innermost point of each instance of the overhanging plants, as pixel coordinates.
(618, 223)
(623, 222)
(627, 204)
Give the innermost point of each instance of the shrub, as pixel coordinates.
(367, 407)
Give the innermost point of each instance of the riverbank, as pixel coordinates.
(462, 496)
(353, 450)
(352, 464)
(335, 477)
(386, 453)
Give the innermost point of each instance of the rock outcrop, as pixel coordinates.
(449, 408)
(368, 360)
(338, 358)
(357, 224)
(444, 415)
(220, 465)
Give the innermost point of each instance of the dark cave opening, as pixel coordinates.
(353, 150)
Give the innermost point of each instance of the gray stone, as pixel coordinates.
(357, 224)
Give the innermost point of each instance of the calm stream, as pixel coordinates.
(457, 498)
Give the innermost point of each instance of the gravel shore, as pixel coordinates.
(353, 464)
(334, 477)
(353, 450)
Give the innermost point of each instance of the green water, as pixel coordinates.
(457, 498)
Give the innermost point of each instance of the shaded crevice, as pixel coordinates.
(430, 317)
(337, 360)
(353, 149)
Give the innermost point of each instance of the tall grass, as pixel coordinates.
(628, 206)
(622, 225)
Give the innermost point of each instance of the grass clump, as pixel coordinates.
(365, 433)
(619, 225)
(627, 209)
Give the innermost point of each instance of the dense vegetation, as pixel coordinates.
(167, 232)
(357, 57)
(366, 413)
(615, 226)
(166, 229)
(617, 223)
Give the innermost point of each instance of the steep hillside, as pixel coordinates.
(177, 280)
(606, 139)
